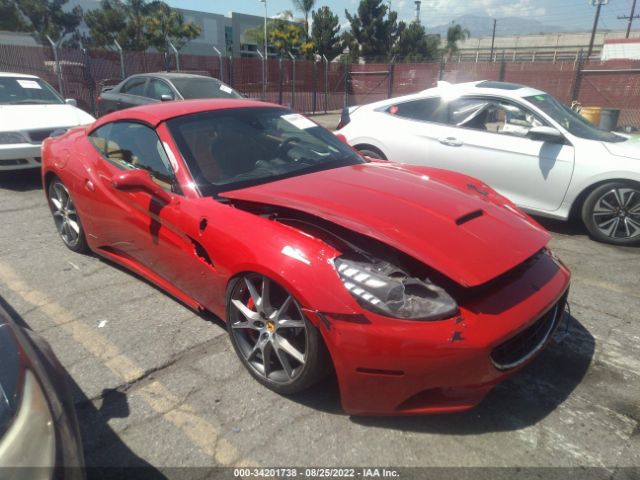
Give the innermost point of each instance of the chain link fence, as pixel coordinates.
(313, 87)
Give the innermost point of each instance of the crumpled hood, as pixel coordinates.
(628, 149)
(33, 117)
(432, 215)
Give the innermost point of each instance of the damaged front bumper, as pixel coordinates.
(387, 366)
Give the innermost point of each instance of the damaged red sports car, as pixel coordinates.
(422, 288)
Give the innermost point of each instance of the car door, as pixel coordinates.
(132, 93)
(139, 227)
(490, 140)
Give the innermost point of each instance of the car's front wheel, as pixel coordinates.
(66, 217)
(272, 337)
(371, 152)
(611, 213)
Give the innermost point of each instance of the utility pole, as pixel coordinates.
(598, 4)
(493, 39)
(630, 18)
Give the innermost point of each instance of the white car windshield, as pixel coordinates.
(571, 121)
(24, 91)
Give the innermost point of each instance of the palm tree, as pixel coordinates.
(305, 6)
(455, 33)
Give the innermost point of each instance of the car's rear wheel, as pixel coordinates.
(272, 337)
(611, 213)
(66, 217)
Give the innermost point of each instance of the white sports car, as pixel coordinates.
(521, 141)
(30, 111)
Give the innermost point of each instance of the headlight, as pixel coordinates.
(12, 137)
(384, 288)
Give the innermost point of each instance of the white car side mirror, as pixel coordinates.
(71, 101)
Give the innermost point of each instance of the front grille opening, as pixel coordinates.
(520, 348)
(37, 136)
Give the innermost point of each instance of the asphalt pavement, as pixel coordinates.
(159, 385)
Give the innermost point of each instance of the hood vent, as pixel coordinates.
(468, 217)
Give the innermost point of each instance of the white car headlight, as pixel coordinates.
(388, 290)
(12, 137)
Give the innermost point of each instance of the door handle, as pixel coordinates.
(450, 141)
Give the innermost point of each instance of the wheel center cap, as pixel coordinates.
(271, 327)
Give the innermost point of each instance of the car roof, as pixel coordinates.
(154, 114)
(172, 75)
(21, 75)
(482, 87)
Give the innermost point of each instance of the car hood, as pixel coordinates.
(467, 234)
(629, 149)
(34, 117)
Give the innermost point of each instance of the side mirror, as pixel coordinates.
(166, 98)
(140, 180)
(545, 134)
(71, 101)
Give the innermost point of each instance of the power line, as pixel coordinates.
(630, 18)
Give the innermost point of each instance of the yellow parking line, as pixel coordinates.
(202, 433)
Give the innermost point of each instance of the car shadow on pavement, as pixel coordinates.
(524, 400)
(106, 456)
(569, 228)
(21, 180)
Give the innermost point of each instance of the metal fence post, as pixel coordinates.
(390, 77)
(346, 80)
(220, 61)
(88, 79)
(54, 46)
(293, 80)
(280, 80)
(575, 89)
(503, 68)
(442, 67)
(231, 79)
(121, 54)
(176, 53)
(314, 83)
(264, 85)
(326, 83)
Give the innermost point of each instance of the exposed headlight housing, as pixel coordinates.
(12, 137)
(383, 288)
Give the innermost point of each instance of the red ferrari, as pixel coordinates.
(422, 288)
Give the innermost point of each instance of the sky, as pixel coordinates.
(576, 14)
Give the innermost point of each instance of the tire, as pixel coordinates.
(296, 355)
(65, 217)
(611, 213)
(371, 152)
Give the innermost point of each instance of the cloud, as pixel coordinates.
(442, 11)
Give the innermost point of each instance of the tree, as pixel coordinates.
(455, 33)
(138, 25)
(283, 35)
(375, 28)
(168, 23)
(304, 6)
(324, 32)
(47, 17)
(414, 44)
(11, 18)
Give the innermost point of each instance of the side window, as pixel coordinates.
(492, 115)
(135, 86)
(132, 145)
(426, 110)
(157, 88)
(99, 138)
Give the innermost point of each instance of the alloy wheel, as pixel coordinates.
(616, 213)
(269, 329)
(65, 214)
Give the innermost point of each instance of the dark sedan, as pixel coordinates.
(161, 87)
(39, 435)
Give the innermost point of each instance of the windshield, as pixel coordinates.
(574, 123)
(235, 148)
(16, 91)
(191, 88)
